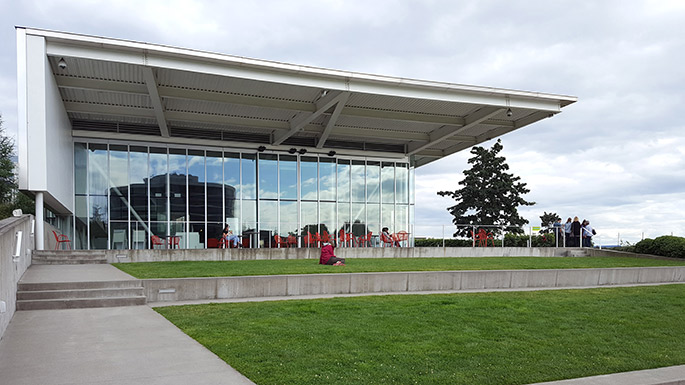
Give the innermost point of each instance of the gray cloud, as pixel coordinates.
(615, 156)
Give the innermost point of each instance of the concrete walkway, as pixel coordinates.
(117, 345)
(135, 345)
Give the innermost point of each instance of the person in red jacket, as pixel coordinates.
(328, 258)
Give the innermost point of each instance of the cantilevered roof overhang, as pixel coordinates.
(129, 90)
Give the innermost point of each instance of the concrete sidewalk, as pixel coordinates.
(118, 345)
(114, 345)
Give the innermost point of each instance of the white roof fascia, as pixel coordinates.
(98, 48)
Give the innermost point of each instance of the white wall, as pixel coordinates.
(44, 139)
(11, 269)
(60, 148)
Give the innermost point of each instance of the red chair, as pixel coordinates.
(156, 241)
(212, 243)
(317, 239)
(387, 241)
(364, 241)
(61, 238)
(174, 242)
(325, 237)
(280, 241)
(399, 237)
(308, 240)
(292, 241)
(350, 240)
(482, 237)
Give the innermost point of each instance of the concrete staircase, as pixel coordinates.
(73, 295)
(45, 257)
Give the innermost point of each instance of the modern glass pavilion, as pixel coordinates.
(123, 142)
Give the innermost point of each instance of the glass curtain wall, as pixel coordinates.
(138, 196)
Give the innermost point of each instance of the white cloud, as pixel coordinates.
(615, 157)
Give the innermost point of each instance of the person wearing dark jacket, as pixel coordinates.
(575, 232)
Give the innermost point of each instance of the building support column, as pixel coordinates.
(40, 222)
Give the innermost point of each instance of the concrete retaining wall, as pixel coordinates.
(12, 269)
(313, 253)
(183, 289)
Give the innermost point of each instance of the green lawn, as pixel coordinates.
(484, 338)
(183, 269)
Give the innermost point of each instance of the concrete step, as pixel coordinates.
(80, 293)
(44, 286)
(79, 303)
(67, 262)
(66, 259)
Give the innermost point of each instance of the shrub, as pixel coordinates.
(437, 242)
(510, 240)
(645, 246)
(665, 246)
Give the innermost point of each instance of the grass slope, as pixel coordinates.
(485, 338)
(184, 269)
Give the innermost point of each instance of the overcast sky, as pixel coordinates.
(616, 157)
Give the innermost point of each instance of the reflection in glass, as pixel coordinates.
(310, 221)
(288, 217)
(327, 217)
(268, 176)
(214, 189)
(119, 235)
(196, 186)
(412, 199)
(388, 182)
(177, 184)
(195, 236)
(373, 217)
(98, 221)
(138, 174)
(344, 220)
(401, 216)
(80, 168)
(81, 222)
(358, 219)
(158, 184)
(388, 217)
(268, 221)
(402, 182)
(160, 230)
(358, 172)
(249, 215)
(373, 182)
(118, 185)
(287, 168)
(343, 180)
(308, 178)
(327, 180)
(214, 230)
(97, 169)
(248, 184)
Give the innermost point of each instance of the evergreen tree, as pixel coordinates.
(8, 181)
(490, 195)
(547, 221)
(10, 197)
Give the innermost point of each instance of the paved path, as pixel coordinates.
(135, 345)
(117, 345)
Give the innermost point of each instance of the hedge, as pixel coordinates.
(510, 240)
(665, 246)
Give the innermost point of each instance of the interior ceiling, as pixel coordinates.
(155, 103)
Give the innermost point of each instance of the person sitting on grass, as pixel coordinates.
(328, 258)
